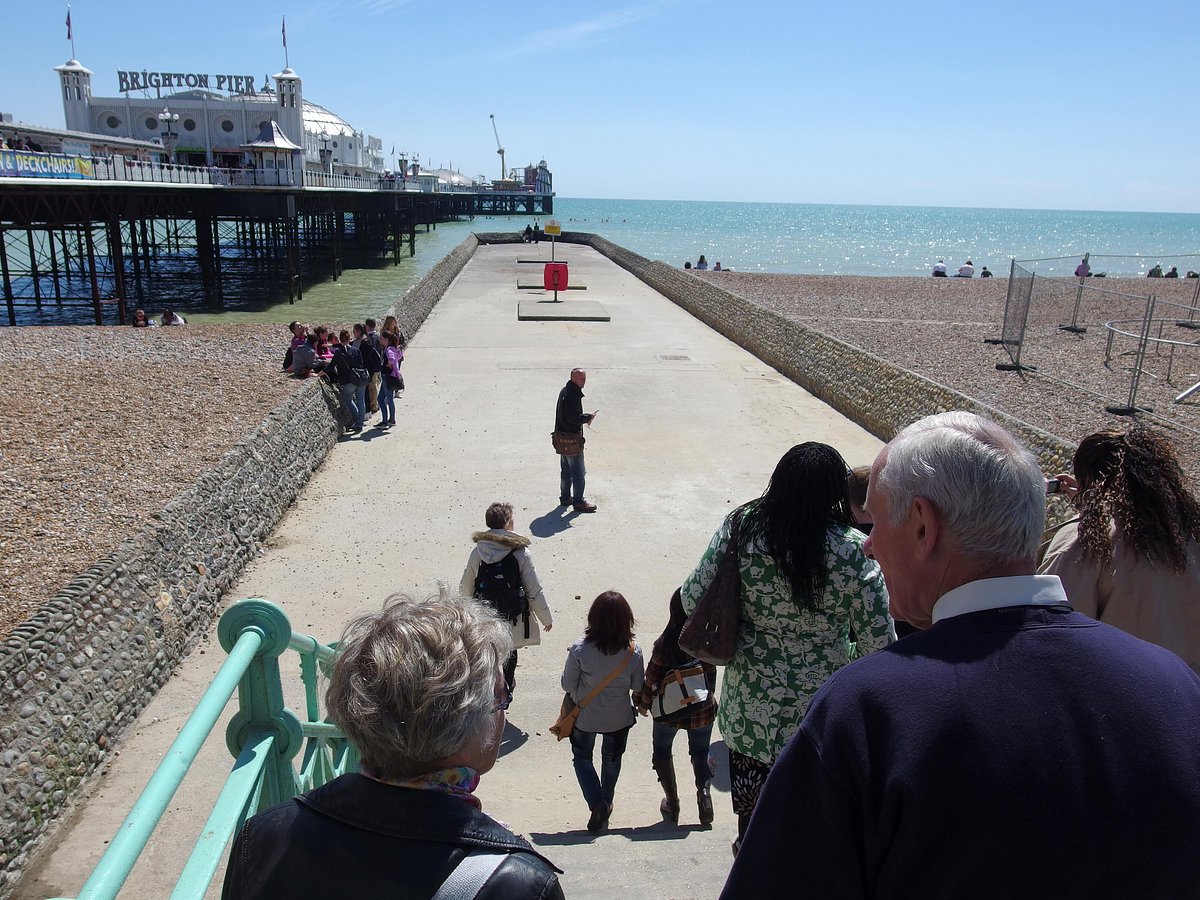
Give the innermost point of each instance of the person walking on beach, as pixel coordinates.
(570, 418)
(500, 573)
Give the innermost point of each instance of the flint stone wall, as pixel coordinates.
(82, 669)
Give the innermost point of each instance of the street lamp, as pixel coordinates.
(168, 120)
(324, 137)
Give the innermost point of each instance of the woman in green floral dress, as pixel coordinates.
(806, 587)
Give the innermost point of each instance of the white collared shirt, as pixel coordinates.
(996, 593)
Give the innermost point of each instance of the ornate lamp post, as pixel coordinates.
(324, 137)
(170, 136)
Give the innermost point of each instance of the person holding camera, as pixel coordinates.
(569, 418)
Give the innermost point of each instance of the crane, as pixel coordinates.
(499, 146)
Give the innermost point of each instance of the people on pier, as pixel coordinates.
(347, 371)
(603, 673)
(527, 235)
(955, 738)
(569, 418)
(1132, 557)
(417, 690)
(390, 380)
(807, 586)
(669, 669)
(500, 574)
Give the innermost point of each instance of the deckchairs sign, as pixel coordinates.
(44, 165)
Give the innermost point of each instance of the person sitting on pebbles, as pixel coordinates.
(170, 317)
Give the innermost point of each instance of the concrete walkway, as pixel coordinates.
(690, 425)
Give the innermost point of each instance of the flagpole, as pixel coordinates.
(286, 62)
(70, 33)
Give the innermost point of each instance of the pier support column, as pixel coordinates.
(97, 307)
(117, 255)
(207, 252)
(8, 291)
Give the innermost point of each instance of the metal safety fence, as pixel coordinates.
(264, 738)
(1150, 323)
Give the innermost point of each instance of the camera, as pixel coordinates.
(1053, 485)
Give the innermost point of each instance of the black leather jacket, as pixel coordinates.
(355, 837)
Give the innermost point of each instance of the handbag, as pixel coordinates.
(569, 711)
(710, 633)
(683, 691)
(567, 443)
(395, 382)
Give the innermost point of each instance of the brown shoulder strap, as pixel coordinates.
(607, 678)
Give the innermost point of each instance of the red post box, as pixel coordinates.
(555, 276)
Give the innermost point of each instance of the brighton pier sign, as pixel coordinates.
(144, 80)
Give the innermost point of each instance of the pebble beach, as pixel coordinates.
(105, 425)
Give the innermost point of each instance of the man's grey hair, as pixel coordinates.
(415, 683)
(986, 484)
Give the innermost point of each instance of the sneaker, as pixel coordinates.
(585, 507)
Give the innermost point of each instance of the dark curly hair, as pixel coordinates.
(1133, 478)
(806, 494)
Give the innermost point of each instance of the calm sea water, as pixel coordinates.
(775, 237)
(886, 240)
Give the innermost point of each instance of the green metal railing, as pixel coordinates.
(264, 737)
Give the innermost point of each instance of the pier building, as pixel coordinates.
(209, 122)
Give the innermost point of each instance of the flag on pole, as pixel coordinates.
(285, 32)
(69, 24)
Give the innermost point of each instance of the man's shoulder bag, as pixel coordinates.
(567, 443)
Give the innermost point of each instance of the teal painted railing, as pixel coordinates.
(264, 737)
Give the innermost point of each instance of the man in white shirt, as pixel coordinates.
(1010, 748)
(939, 269)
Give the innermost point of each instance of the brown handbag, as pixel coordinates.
(567, 443)
(710, 633)
(569, 711)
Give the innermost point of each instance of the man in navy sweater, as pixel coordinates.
(1013, 747)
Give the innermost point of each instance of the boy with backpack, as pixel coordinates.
(500, 573)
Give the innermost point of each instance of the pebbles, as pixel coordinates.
(937, 327)
(103, 426)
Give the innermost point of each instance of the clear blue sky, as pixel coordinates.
(1004, 104)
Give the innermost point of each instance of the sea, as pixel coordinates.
(825, 239)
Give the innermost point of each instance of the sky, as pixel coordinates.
(998, 104)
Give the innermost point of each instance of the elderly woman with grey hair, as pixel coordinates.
(418, 690)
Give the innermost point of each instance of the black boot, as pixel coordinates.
(703, 771)
(743, 822)
(665, 769)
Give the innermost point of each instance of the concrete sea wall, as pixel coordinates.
(79, 671)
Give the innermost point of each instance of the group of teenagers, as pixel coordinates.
(363, 363)
(1011, 724)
